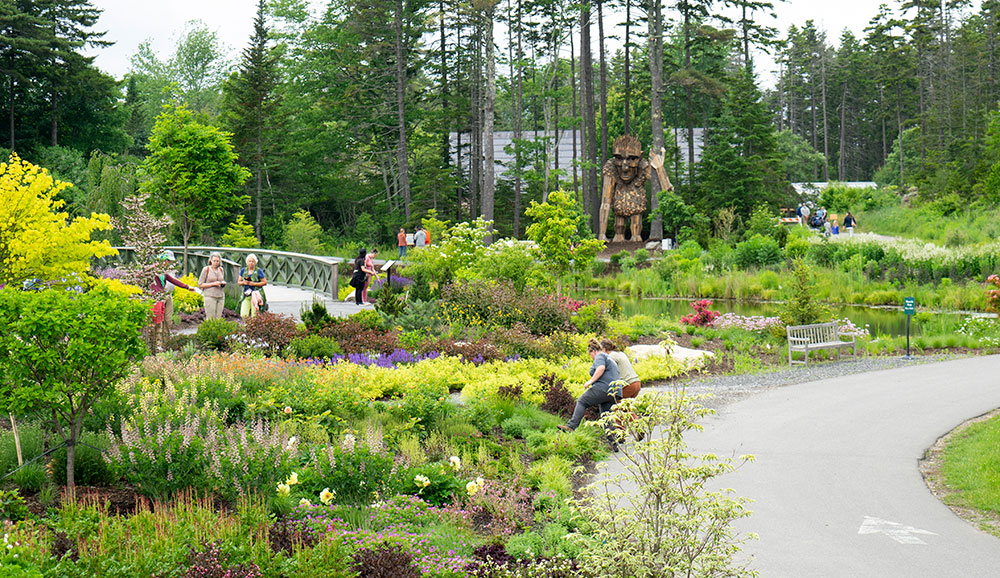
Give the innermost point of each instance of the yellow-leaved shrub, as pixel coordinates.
(37, 239)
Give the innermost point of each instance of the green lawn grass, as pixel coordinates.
(971, 466)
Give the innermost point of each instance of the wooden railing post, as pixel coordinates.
(334, 289)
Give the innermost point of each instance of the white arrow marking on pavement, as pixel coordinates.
(896, 531)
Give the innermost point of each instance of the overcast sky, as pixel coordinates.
(130, 22)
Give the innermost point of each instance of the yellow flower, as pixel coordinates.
(326, 496)
(472, 487)
(304, 502)
(292, 479)
(284, 489)
(421, 480)
(456, 463)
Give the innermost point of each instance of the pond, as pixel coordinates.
(880, 320)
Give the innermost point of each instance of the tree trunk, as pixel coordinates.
(687, 94)
(604, 82)
(446, 139)
(402, 167)
(656, 107)
(54, 136)
(518, 107)
(259, 169)
(10, 103)
(572, 81)
(826, 136)
(489, 181)
(628, 69)
(475, 164)
(842, 169)
(589, 121)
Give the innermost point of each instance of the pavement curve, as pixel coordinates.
(836, 487)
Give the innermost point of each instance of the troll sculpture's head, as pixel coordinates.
(627, 156)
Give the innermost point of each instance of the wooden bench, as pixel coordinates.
(806, 338)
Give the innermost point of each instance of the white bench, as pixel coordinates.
(806, 338)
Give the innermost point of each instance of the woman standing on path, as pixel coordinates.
(211, 281)
(252, 279)
(371, 273)
(849, 223)
(401, 243)
(358, 279)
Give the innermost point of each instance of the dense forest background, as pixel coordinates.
(371, 114)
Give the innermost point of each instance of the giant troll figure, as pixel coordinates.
(625, 175)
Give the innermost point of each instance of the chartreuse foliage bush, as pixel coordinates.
(37, 239)
(187, 301)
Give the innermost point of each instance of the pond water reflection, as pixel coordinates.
(880, 321)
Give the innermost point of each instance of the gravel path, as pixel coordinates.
(726, 389)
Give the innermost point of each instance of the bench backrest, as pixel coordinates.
(815, 333)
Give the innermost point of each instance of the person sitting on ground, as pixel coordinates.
(252, 279)
(603, 373)
(625, 371)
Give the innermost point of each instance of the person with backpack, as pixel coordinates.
(252, 279)
(162, 289)
(359, 277)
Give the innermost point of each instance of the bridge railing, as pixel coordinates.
(297, 270)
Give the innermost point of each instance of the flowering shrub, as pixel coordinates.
(268, 332)
(746, 322)
(847, 328)
(702, 316)
(993, 295)
(985, 329)
(907, 258)
(500, 508)
(397, 521)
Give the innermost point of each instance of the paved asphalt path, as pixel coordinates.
(836, 487)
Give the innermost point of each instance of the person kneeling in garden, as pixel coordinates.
(625, 370)
(603, 373)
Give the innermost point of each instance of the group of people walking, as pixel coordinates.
(822, 220)
(612, 378)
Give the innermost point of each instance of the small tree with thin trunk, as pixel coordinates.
(193, 175)
(556, 230)
(61, 351)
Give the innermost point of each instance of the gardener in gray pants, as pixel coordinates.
(603, 372)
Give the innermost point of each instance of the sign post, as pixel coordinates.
(909, 308)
